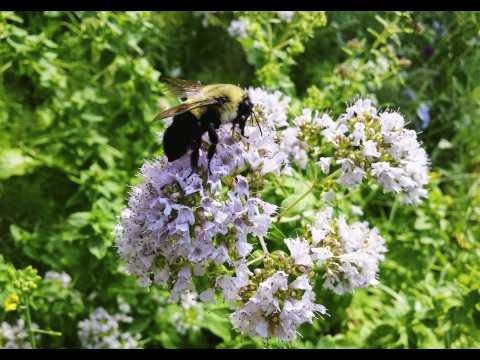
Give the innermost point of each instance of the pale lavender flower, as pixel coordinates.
(103, 331)
(299, 251)
(370, 149)
(423, 113)
(157, 225)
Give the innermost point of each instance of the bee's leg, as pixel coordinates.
(255, 116)
(234, 125)
(194, 157)
(243, 122)
(212, 135)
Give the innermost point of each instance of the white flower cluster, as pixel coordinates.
(15, 336)
(63, 278)
(378, 144)
(206, 217)
(102, 330)
(276, 309)
(238, 28)
(352, 253)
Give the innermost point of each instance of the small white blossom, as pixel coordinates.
(370, 149)
(324, 163)
(286, 15)
(238, 28)
(63, 278)
(357, 210)
(300, 251)
(358, 135)
(351, 174)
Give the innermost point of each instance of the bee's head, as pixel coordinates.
(245, 108)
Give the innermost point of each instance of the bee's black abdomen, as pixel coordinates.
(179, 136)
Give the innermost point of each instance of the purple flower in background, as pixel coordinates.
(410, 93)
(428, 51)
(439, 28)
(423, 113)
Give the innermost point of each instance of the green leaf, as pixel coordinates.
(383, 335)
(97, 246)
(92, 117)
(422, 223)
(13, 162)
(79, 219)
(18, 234)
(218, 325)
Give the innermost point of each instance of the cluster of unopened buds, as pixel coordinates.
(206, 234)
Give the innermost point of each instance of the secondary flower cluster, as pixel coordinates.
(192, 314)
(350, 253)
(102, 330)
(364, 143)
(15, 336)
(369, 142)
(277, 307)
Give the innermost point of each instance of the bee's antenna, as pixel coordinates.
(255, 116)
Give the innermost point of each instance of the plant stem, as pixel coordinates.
(255, 260)
(47, 332)
(264, 246)
(29, 324)
(393, 210)
(305, 194)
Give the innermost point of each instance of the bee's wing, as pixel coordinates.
(182, 89)
(181, 108)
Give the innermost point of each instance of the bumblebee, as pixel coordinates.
(204, 109)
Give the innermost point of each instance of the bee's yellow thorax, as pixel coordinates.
(228, 111)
